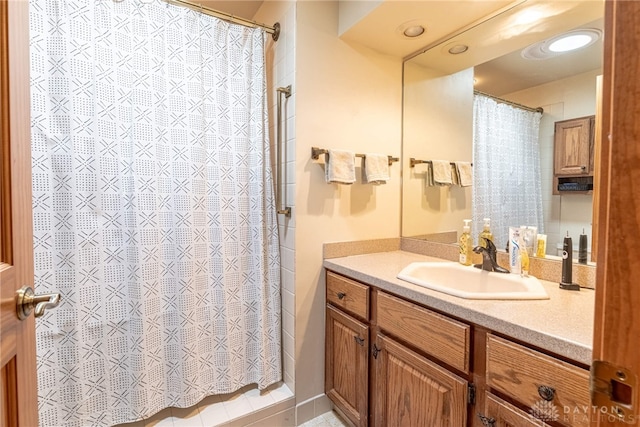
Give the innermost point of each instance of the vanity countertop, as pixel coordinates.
(562, 324)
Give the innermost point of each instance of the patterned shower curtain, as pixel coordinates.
(154, 214)
(506, 168)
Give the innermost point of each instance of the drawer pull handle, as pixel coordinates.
(341, 295)
(546, 392)
(359, 340)
(487, 421)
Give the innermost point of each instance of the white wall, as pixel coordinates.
(437, 124)
(563, 99)
(347, 97)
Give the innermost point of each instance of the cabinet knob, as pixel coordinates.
(487, 421)
(359, 340)
(546, 392)
(341, 295)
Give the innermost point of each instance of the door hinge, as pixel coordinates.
(613, 390)
(471, 394)
(375, 351)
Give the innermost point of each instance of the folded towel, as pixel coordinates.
(464, 173)
(340, 167)
(376, 168)
(439, 173)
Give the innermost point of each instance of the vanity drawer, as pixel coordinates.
(538, 380)
(347, 294)
(430, 332)
(499, 413)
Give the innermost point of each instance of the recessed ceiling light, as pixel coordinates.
(411, 29)
(562, 43)
(570, 42)
(459, 48)
(414, 31)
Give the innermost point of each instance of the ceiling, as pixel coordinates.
(511, 72)
(381, 28)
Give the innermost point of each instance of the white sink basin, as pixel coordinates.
(472, 283)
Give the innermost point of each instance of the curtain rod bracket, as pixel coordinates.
(276, 32)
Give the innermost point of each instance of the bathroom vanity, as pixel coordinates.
(399, 354)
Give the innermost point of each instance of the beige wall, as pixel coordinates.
(563, 99)
(438, 124)
(348, 97)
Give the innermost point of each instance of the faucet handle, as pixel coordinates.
(491, 248)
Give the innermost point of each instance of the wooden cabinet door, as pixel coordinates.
(499, 413)
(573, 146)
(18, 392)
(346, 364)
(412, 391)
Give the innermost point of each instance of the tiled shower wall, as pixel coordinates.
(281, 73)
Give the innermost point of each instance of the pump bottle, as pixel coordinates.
(466, 245)
(485, 233)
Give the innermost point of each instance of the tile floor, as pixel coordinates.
(330, 419)
(217, 410)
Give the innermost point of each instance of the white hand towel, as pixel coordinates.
(440, 173)
(376, 168)
(340, 167)
(465, 173)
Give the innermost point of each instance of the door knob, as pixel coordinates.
(27, 301)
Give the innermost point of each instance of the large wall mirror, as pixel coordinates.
(439, 86)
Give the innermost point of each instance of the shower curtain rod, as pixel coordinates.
(274, 31)
(504, 101)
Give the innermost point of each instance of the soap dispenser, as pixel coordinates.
(466, 245)
(485, 233)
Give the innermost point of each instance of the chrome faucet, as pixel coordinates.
(489, 255)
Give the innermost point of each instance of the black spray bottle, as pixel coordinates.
(567, 265)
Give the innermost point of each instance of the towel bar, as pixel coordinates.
(413, 162)
(316, 152)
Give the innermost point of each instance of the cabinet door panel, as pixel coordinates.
(346, 365)
(573, 146)
(412, 391)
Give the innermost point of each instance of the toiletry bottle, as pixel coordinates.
(515, 263)
(582, 248)
(524, 258)
(466, 245)
(542, 246)
(485, 233)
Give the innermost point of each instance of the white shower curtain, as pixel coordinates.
(506, 167)
(154, 213)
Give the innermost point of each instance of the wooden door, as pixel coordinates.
(617, 315)
(412, 391)
(347, 365)
(18, 394)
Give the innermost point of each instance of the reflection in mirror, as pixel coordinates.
(438, 112)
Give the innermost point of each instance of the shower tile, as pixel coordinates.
(258, 399)
(212, 411)
(187, 417)
(280, 393)
(237, 406)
